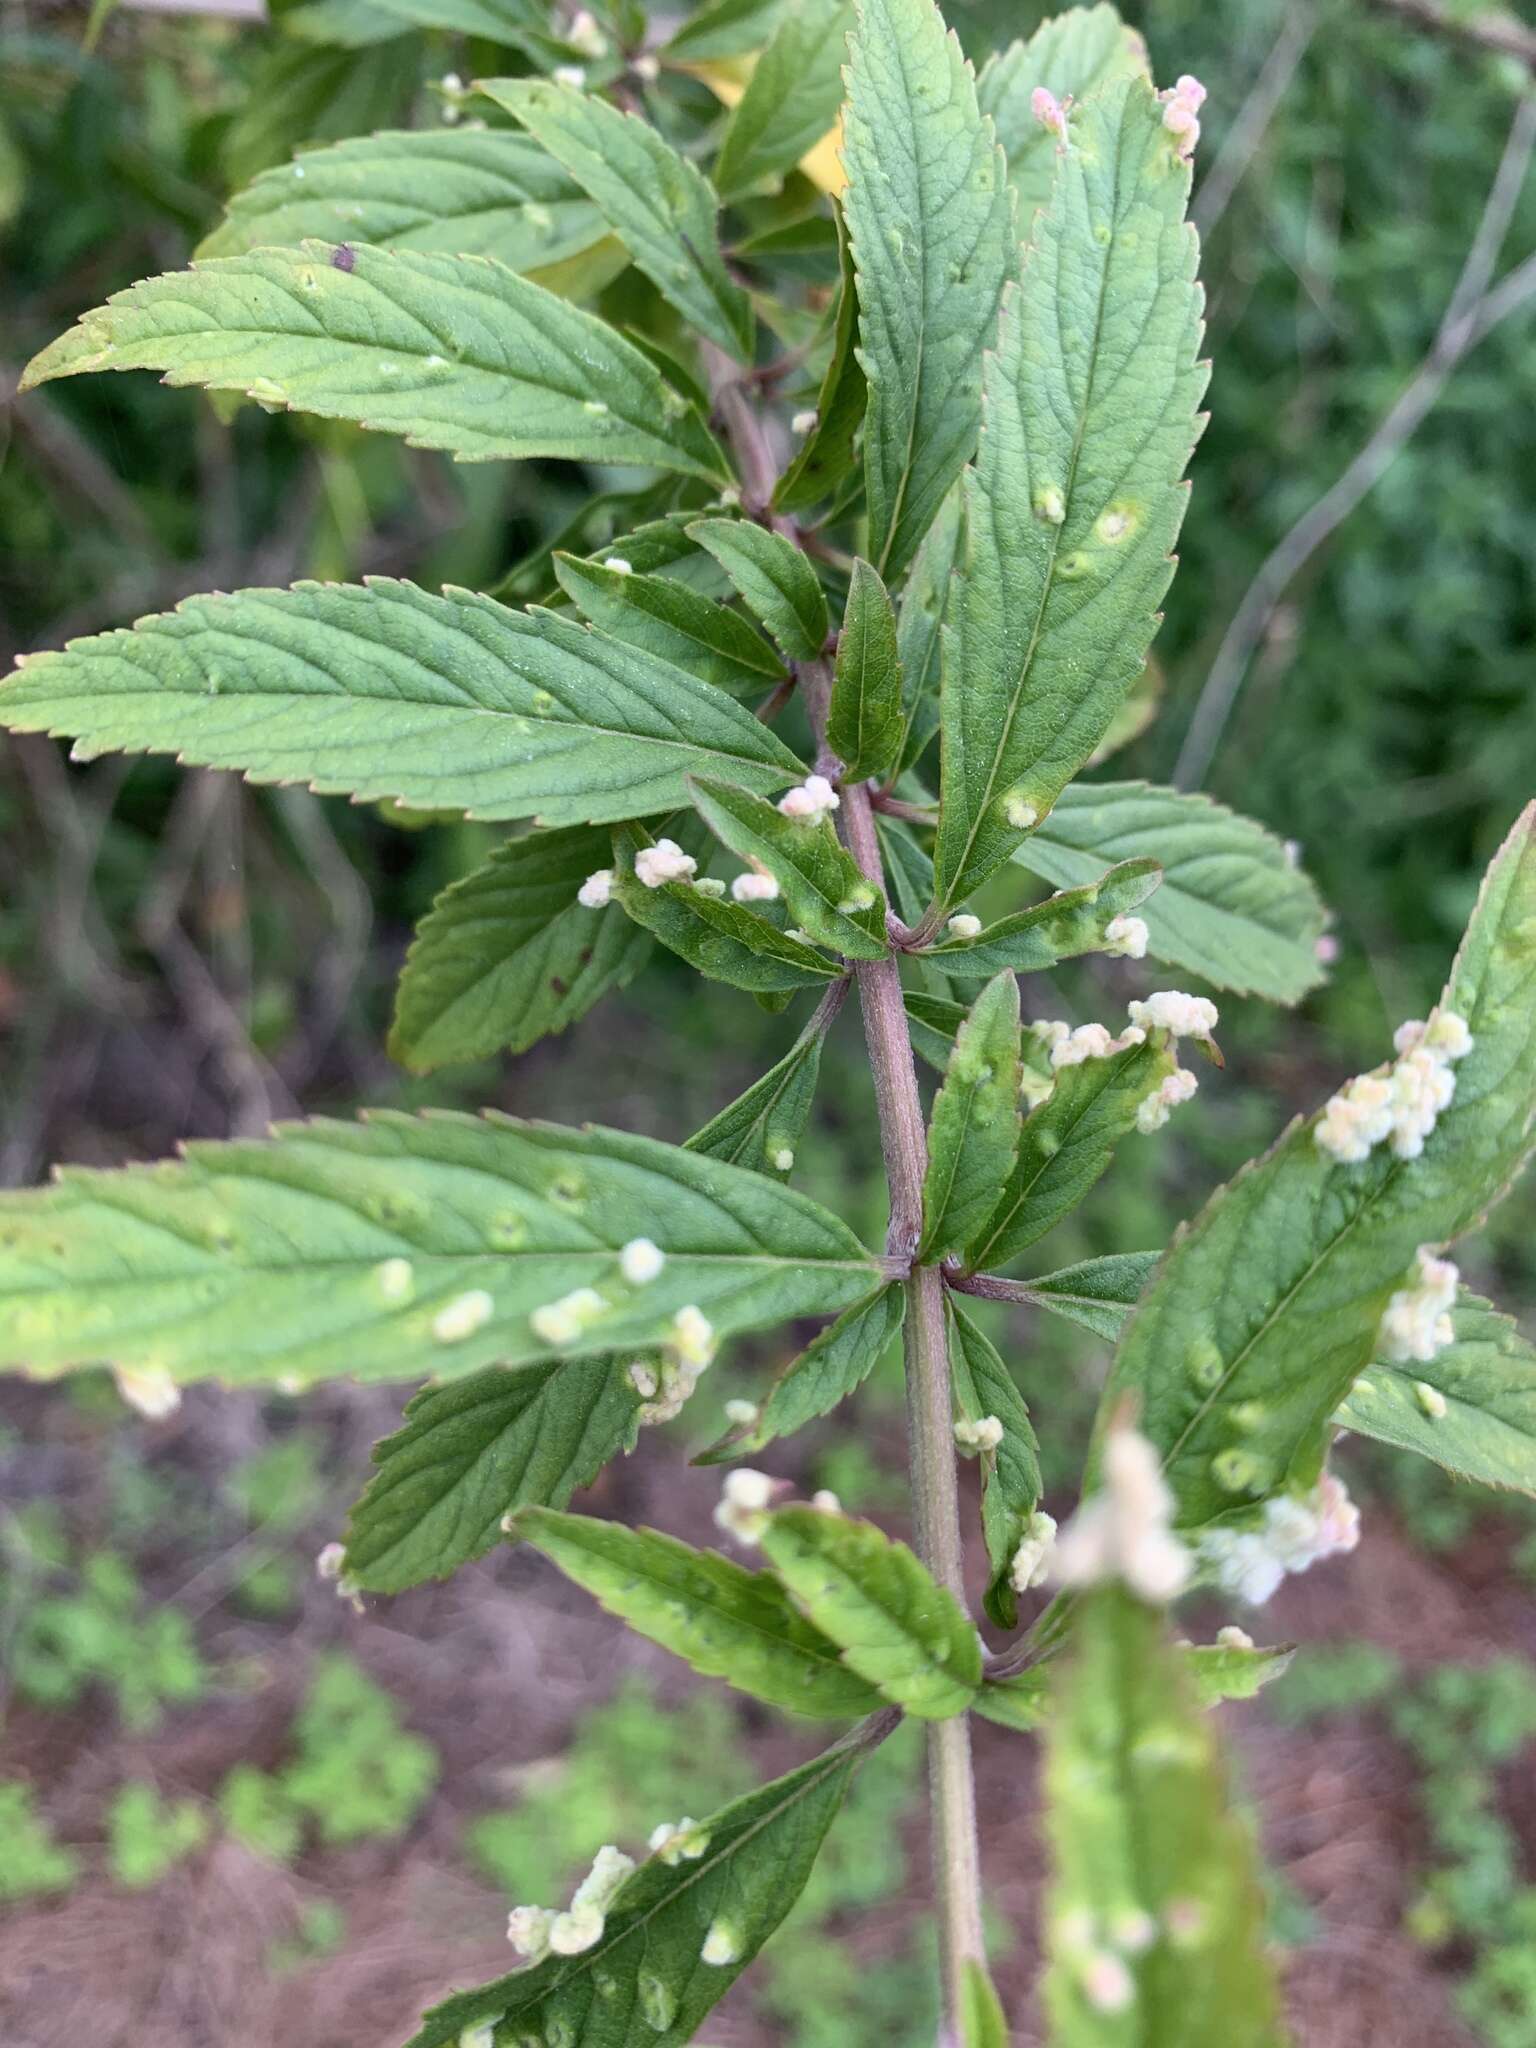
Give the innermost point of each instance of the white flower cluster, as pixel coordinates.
(1125, 1531)
(1181, 113)
(1032, 1560)
(678, 1841)
(1155, 1109)
(1417, 1322)
(596, 890)
(331, 1570)
(1297, 1531)
(804, 422)
(1181, 1016)
(985, 1433)
(148, 1388)
(641, 1262)
(535, 1932)
(964, 926)
(664, 862)
(810, 801)
(585, 37)
(1404, 1104)
(666, 1383)
(1069, 1047)
(745, 1498)
(1127, 936)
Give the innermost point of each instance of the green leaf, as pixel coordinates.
(1066, 1145)
(1010, 1476)
(723, 1620)
(1098, 1293)
(383, 690)
(821, 466)
(822, 887)
(836, 1361)
(973, 1132)
(472, 1451)
(674, 623)
(387, 1248)
(1265, 1309)
(464, 191)
(759, 1127)
(724, 28)
(1072, 55)
(1471, 1408)
(348, 22)
(645, 1981)
(932, 225)
(1233, 906)
(507, 955)
(1075, 501)
(1072, 922)
(1228, 1671)
(1145, 1845)
(660, 207)
(724, 940)
(932, 1022)
(982, 2022)
(775, 579)
(896, 1626)
(864, 722)
(791, 99)
(925, 608)
(453, 352)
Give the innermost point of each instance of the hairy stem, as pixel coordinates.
(930, 1439)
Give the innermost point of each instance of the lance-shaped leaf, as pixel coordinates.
(1066, 1145)
(1265, 1309)
(358, 22)
(925, 607)
(384, 690)
(836, 1361)
(896, 1626)
(1077, 494)
(660, 207)
(791, 99)
(933, 1022)
(931, 221)
(725, 940)
(1233, 907)
(723, 1620)
(401, 1245)
(821, 885)
(864, 722)
(1071, 56)
(1155, 1917)
(776, 581)
(1010, 1475)
(1074, 921)
(821, 467)
(453, 352)
(464, 191)
(1470, 1408)
(1099, 1293)
(973, 1133)
(507, 955)
(473, 1450)
(763, 1127)
(676, 624)
(678, 1934)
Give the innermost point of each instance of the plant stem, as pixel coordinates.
(930, 1438)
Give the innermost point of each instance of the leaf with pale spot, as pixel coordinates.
(769, 1119)
(822, 888)
(676, 624)
(1071, 922)
(982, 1385)
(1072, 55)
(973, 1132)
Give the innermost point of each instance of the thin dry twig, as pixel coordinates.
(1473, 311)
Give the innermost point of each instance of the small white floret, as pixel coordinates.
(1180, 1015)
(692, 1339)
(619, 565)
(330, 1563)
(1049, 111)
(826, 1502)
(646, 68)
(1021, 814)
(810, 801)
(1031, 1562)
(755, 887)
(664, 862)
(1125, 1530)
(149, 1389)
(575, 77)
(562, 1322)
(572, 1933)
(1233, 1638)
(641, 1262)
(1431, 1400)
(742, 1414)
(1127, 936)
(528, 1930)
(722, 1945)
(782, 1158)
(745, 1497)
(964, 926)
(983, 1433)
(804, 422)
(463, 1316)
(596, 889)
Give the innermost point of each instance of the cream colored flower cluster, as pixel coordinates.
(1402, 1106)
(1417, 1322)
(1125, 1531)
(1297, 1531)
(535, 1932)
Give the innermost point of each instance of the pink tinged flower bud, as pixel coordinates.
(664, 862)
(810, 801)
(755, 888)
(1049, 112)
